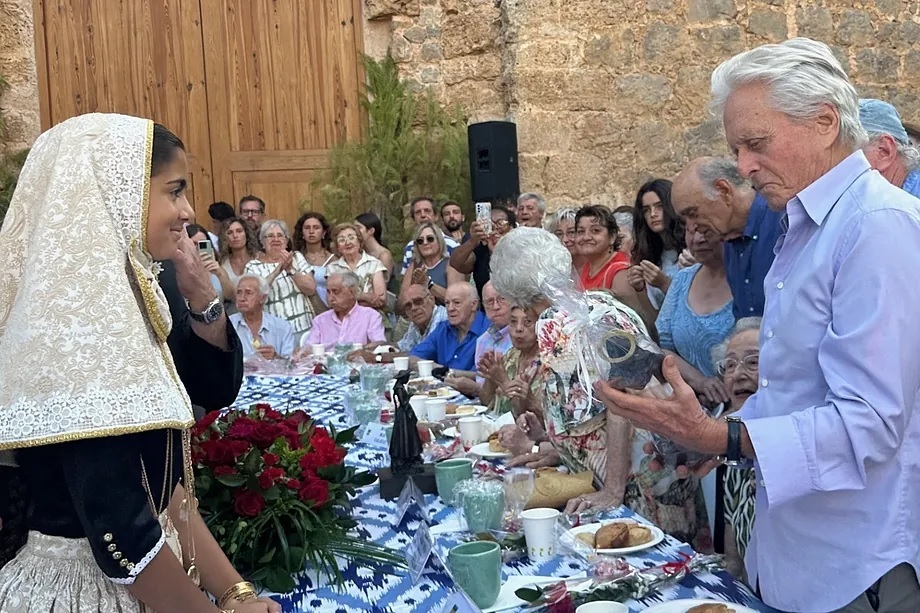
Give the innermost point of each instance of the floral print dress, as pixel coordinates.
(576, 423)
(533, 371)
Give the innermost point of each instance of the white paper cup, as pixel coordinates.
(470, 431)
(318, 350)
(437, 409)
(603, 606)
(401, 363)
(540, 533)
(425, 368)
(419, 405)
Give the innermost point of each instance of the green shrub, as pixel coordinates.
(411, 146)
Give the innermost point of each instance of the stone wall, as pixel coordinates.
(606, 93)
(19, 105)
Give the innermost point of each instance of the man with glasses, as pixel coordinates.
(474, 255)
(252, 209)
(419, 307)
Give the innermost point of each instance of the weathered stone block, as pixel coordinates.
(478, 98)
(911, 70)
(548, 52)
(815, 22)
(892, 8)
(415, 34)
(573, 174)
(855, 28)
(768, 24)
(384, 9)
(842, 56)
(659, 6)
(709, 10)
(642, 91)
(484, 67)
(664, 42)
(469, 33)
(580, 90)
(400, 49)
(545, 131)
(431, 51)
(613, 50)
(776, 2)
(657, 147)
(692, 88)
(429, 74)
(718, 42)
(908, 33)
(707, 138)
(532, 168)
(601, 131)
(877, 66)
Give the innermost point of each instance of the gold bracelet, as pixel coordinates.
(240, 592)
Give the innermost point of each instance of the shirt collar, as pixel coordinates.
(820, 197)
(241, 322)
(347, 315)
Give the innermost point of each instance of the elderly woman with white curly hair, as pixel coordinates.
(289, 276)
(579, 433)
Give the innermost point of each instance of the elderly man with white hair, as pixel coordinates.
(831, 430)
(889, 149)
(530, 210)
(260, 332)
(346, 321)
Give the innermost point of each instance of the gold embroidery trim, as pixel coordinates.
(145, 199)
(79, 436)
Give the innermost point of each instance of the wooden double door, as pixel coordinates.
(259, 90)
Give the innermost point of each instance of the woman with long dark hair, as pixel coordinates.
(659, 240)
(100, 428)
(313, 238)
(238, 245)
(372, 235)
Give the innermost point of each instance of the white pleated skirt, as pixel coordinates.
(51, 574)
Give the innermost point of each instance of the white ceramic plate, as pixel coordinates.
(657, 536)
(681, 606)
(483, 451)
(471, 410)
(451, 432)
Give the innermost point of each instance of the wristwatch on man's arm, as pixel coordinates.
(733, 454)
(210, 314)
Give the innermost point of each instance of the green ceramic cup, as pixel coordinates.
(477, 569)
(449, 473)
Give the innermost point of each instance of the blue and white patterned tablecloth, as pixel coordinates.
(385, 589)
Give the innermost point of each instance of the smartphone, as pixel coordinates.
(484, 215)
(205, 247)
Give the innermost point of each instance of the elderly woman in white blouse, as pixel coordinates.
(289, 277)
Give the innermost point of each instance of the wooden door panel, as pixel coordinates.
(137, 58)
(282, 88)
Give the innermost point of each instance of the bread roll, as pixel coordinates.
(711, 608)
(587, 538)
(638, 535)
(612, 536)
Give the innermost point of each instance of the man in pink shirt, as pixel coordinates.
(347, 321)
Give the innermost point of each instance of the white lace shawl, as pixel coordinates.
(83, 322)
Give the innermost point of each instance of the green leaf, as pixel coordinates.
(253, 461)
(272, 493)
(279, 580)
(232, 480)
(528, 594)
(267, 557)
(363, 478)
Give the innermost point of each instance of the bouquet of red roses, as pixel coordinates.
(274, 490)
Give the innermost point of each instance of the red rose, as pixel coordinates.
(298, 417)
(217, 452)
(261, 406)
(272, 414)
(269, 476)
(325, 449)
(315, 490)
(248, 504)
(242, 428)
(205, 422)
(265, 434)
(238, 448)
(293, 484)
(221, 471)
(310, 462)
(270, 459)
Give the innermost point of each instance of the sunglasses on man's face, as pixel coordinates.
(426, 240)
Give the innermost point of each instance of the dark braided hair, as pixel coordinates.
(14, 513)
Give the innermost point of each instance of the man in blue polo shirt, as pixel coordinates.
(711, 191)
(453, 342)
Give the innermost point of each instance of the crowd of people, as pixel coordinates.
(797, 248)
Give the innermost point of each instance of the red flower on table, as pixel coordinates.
(265, 434)
(298, 417)
(315, 490)
(205, 422)
(270, 459)
(269, 476)
(293, 484)
(247, 503)
(243, 428)
(328, 454)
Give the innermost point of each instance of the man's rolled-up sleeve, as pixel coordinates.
(870, 360)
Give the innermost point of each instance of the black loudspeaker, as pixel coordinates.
(494, 161)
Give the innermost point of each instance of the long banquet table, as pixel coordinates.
(390, 590)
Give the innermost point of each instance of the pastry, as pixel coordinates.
(612, 536)
(494, 445)
(711, 607)
(451, 408)
(587, 538)
(638, 535)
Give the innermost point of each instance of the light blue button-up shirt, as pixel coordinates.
(275, 331)
(838, 455)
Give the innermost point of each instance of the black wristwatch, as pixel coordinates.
(210, 314)
(733, 455)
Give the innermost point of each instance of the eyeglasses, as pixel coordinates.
(417, 302)
(426, 240)
(750, 363)
(570, 233)
(282, 236)
(494, 302)
(348, 238)
(501, 223)
(250, 212)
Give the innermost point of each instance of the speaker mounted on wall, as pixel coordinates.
(494, 161)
